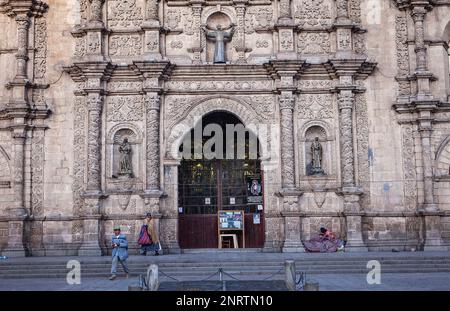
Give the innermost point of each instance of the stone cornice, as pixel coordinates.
(81, 71)
(359, 67)
(13, 8)
(407, 4)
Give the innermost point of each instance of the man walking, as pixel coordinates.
(119, 253)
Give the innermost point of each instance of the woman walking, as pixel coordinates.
(149, 237)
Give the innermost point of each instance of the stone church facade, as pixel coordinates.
(369, 78)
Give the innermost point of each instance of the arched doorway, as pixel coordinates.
(207, 185)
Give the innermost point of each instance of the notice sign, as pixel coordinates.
(231, 220)
(254, 190)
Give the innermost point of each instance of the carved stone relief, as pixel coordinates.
(125, 45)
(80, 158)
(125, 108)
(124, 13)
(317, 43)
(401, 41)
(313, 13)
(362, 146)
(37, 175)
(409, 167)
(315, 106)
(40, 45)
(258, 18)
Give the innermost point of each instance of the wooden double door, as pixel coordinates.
(208, 186)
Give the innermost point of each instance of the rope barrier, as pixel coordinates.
(169, 276)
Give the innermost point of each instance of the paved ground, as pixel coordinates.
(353, 282)
(214, 255)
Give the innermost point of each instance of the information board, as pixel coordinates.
(231, 220)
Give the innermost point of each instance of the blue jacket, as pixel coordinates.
(122, 250)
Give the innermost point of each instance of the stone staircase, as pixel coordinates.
(240, 265)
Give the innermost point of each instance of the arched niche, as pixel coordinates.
(116, 137)
(442, 160)
(211, 18)
(307, 135)
(5, 169)
(442, 175)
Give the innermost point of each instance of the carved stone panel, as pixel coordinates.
(125, 45)
(315, 106)
(316, 43)
(125, 108)
(125, 13)
(313, 13)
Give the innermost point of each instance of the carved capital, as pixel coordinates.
(287, 101)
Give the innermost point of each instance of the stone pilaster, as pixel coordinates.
(20, 111)
(94, 76)
(240, 6)
(94, 30)
(152, 29)
(197, 7)
(91, 215)
(285, 72)
(285, 26)
(350, 191)
(425, 105)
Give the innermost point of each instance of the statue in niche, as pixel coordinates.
(125, 159)
(316, 157)
(219, 36)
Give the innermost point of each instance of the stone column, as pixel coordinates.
(92, 198)
(350, 192)
(17, 213)
(418, 14)
(23, 23)
(287, 104)
(95, 106)
(152, 103)
(291, 209)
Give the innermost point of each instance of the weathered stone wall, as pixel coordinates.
(369, 78)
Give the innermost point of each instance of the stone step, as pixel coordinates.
(197, 276)
(63, 271)
(225, 266)
(231, 262)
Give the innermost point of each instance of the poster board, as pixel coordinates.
(231, 221)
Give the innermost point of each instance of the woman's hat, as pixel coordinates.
(117, 227)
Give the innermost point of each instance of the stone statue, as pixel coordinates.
(219, 36)
(125, 159)
(316, 157)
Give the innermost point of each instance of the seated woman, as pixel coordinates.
(325, 242)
